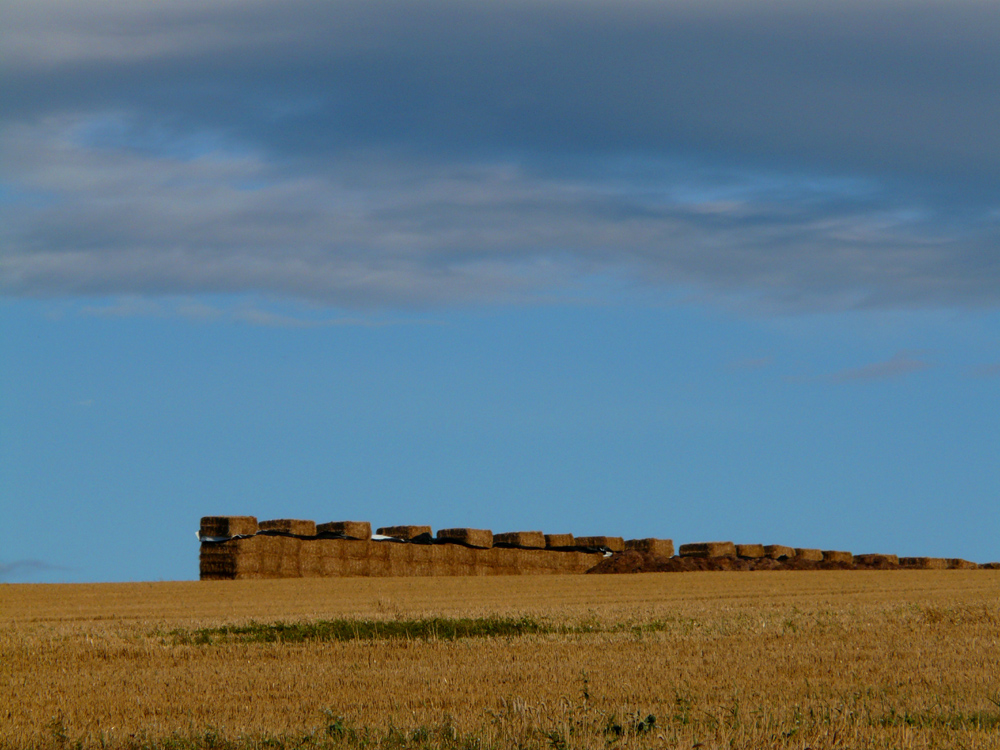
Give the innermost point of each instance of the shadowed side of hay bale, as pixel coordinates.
(555, 541)
(837, 556)
(225, 526)
(923, 563)
(482, 538)
(524, 539)
(403, 532)
(778, 552)
(290, 526)
(808, 555)
(708, 549)
(352, 529)
(750, 551)
(990, 566)
(613, 543)
(957, 563)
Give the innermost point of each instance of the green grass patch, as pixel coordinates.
(436, 628)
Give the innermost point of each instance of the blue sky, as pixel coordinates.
(714, 270)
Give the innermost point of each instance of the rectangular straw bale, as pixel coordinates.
(924, 563)
(613, 543)
(331, 557)
(482, 538)
(876, 559)
(310, 562)
(809, 555)
(525, 539)
(750, 551)
(290, 526)
(290, 553)
(661, 547)
(837, 556)
(352, 529)
(271, 552)
(403, 532)
(708, 549)
(957, 563)
(555, 541)
(228, 525)
(778, 552)
(228, 561)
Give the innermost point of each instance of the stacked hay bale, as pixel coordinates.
(837, 556)
(613, 543)
(661, 547)
(808, 555)
(479, 538)
(708, 549)
(228, 526)
(233, 559)
(350, 529)
(778, 552)
(750, 551)
(873, 560)
(559, 541)
(521, 539)
(957, 563)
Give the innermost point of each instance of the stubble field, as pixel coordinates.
(835, 659)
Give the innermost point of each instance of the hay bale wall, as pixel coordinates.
(924, 563)
(523, 539)
(708, 549)
(482, 538)
(352, 529)
(957, 563)
(661, 547)
(876, 559)
(750, 551)
(613, 543)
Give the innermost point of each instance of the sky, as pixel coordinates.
(726, 269)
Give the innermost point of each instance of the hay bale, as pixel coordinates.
(378, 557)
(482, 538)
(290, 526)
(291, 548)
(555, 541)
(613, 543)
(216, 526)
(404, 532)
(876, 559)
(989, 566)
(750, 551)
(778, 552)
(332, 557)
(232, 560)
(809, 555)
(662, 547)
(310, 562)
(708, 549)
(957, 563)
(351, 529)
(271, 551)
(836, 556)
(523, 539)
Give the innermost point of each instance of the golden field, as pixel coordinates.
(833, 659)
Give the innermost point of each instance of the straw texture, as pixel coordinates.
(482, 538)
(290, 526)
(778, 552)
(403, 532)
(750, 551)
(876, 559)
(837, 556)
(555, 541)
(228, 525)
(661, 547)
(810, 555)
(352, 529)
(613, 543)
(524, 539)
(708, 549)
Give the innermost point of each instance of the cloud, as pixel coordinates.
(391, 154)
(900, 364)
(19, 568)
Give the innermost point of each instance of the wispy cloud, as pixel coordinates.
(25, 568)
(900, 364)
(812, 169)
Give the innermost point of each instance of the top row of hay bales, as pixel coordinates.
(230, 526)
(758, 551)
